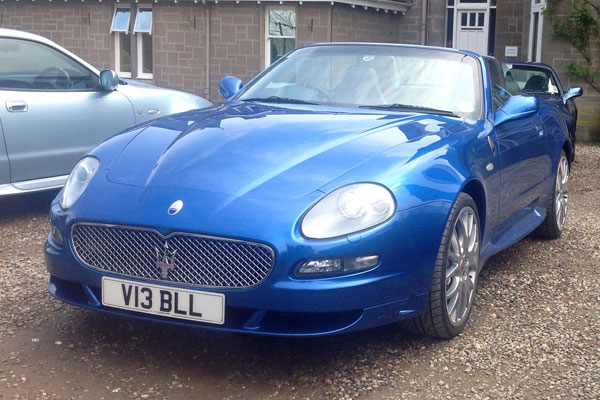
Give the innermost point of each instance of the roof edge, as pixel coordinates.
(395, 6)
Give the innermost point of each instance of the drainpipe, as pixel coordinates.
(331, 22)
(424, 6)
(207, 55)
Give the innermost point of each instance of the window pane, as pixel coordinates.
(146, 53)
(282, 23)
(30, 65)
(481, 19)
(280, 46)
(124, 53)
(492, 32)
(450, 27)
(143, 22)
(472, 19)
(534, 80)
(463, 19)
(121, 20)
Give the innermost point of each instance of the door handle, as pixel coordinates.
(16, 106)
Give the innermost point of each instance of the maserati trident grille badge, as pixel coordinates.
(166, 260)
(175, 207)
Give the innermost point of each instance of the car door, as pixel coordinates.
(523, 156)
(523, 151)
(52, 109)
(4, 168)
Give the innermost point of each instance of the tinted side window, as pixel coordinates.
(34, 66)
(531, 79)
(511, 83)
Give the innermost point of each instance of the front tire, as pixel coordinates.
(556, 211)
(455, 275)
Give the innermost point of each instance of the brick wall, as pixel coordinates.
(512, 27)
(313, 23)
(359, 25)
(235, 42)
(179, 47)
(80, 28)
(436, 23)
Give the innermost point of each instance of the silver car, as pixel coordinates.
(54, 107)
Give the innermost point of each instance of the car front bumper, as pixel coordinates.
(283, 304)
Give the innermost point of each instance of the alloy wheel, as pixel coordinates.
(462, 266)
(561, 192)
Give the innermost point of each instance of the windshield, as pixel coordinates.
(390, 77)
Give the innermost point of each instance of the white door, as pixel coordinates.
(472, 31)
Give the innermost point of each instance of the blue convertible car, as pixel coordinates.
(345, 187)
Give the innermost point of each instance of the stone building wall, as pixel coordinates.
(179, 47)
(235, 42)
(512, 28)
(436, 23)
(313, 23)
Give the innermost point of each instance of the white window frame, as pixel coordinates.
(536, 8)
(139, 33)
(137, 14)
(112, 21)
(268, 37)
(118, 34)
(140, 59)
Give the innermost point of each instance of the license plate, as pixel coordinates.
(161, 300)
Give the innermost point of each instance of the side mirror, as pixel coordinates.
(572, 93)
(516, 107)
(109, 80)
(229, 86)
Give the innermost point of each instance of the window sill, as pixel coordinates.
(145, 76)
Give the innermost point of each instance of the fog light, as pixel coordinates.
(336, 266)
(320, 266)
(57, 236)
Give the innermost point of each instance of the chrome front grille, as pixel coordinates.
(179, 257)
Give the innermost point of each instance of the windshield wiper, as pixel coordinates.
(407, 107)
(277, 99)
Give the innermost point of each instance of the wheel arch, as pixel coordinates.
(568, 148)
(475, 189)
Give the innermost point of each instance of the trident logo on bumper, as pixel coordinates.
(165, 263)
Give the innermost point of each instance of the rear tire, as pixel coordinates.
(455, 275)
(558, 205)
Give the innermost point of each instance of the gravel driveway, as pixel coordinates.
(534, 332)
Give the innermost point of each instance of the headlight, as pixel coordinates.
(78, 180)
(347, 210)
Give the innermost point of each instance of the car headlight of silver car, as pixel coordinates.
(347, 210)
(80, 177)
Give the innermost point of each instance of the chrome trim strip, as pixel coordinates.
(34, 185)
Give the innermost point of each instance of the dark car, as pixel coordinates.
(542, 81)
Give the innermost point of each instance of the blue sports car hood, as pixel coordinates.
(249, 149)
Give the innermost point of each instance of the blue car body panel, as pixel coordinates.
(251, 171)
